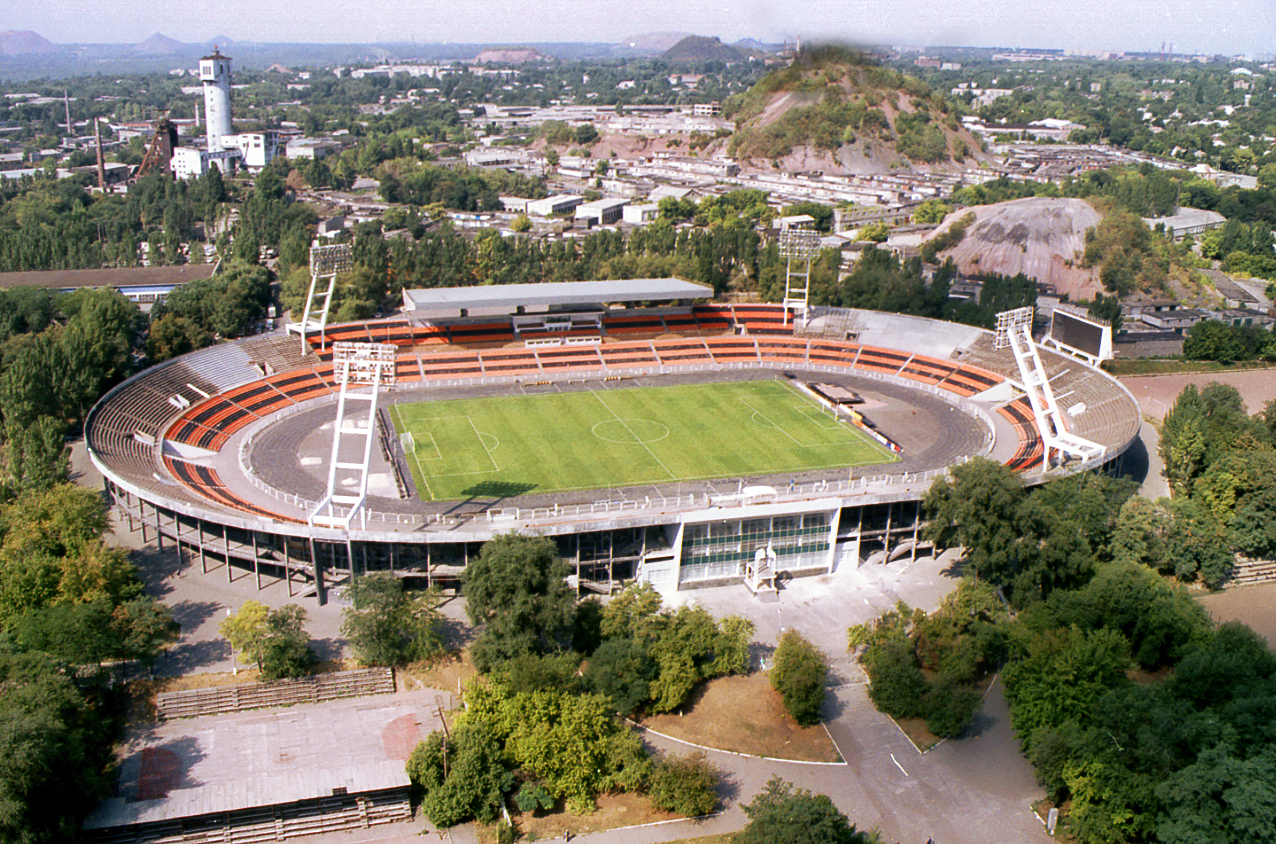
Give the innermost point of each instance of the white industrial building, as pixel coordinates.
(601, 211)
(640, 215)
(223, 148)
(559, 204)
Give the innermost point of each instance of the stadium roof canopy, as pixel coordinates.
(506, 299)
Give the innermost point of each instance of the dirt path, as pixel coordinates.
(1252, 605)
(1156, 393)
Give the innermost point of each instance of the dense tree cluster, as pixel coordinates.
(72, 620)
(57, 356)
(652, 659)
(454, 188)
(546, 745)
(1226, 343)
(1140, 714)
(541, 726)
(1220, 463)
(928, 666)
(56, 224)
(225, 305)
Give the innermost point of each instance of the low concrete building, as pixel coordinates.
(311, 148)
(1187, 221)
(562, 203)
(640, 215)
(605, 211)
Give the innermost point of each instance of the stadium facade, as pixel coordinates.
(190, 449)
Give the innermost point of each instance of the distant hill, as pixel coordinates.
(836, 110)
(653, 42)
(160, 43)
(700, 48)
(24, 42)
(509, 55)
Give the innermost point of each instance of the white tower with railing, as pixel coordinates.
(214, 72)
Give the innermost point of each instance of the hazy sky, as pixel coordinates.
(1220, 26)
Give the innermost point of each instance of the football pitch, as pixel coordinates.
(642, 435)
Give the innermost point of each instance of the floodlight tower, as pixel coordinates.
(798, 245)
(325, 262)
(362, 370)
(1014, 330)
(214, 72)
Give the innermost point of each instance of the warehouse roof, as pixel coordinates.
(109, 277)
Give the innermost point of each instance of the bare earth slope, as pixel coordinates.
(1042, 238)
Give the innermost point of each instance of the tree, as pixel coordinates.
(875, 232)
(570, 743)
(798, 673)
(818, 211)
(978, 511)
(36, 455)
(245, 630)
(932, 211)
(1222, 798)
(781, 814)
(53, 751)
(462, 777)
(1184, 440)
(274, 640)
(172, 335)
(685, 785)
(516, 590)
(388, 626)
(143, 626)
(285, 647)
(622, 670)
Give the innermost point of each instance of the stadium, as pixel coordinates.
(652, 433)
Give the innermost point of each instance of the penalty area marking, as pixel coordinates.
(771, 422)
(434, 444)
(420, 470)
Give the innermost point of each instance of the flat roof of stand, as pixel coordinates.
(446, 302)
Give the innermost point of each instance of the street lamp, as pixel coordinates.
(234, 666)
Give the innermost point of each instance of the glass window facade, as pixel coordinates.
(720, 550)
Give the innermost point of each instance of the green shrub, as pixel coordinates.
(947, 239)
(531, 796)
(949, 709)
(898, 684)
(685, 785)
(798, 674)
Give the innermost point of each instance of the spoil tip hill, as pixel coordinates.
(835, 110)
(1041, 237)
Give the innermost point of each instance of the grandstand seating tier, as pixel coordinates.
(239, 393)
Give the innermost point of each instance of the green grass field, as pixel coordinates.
(643, 435)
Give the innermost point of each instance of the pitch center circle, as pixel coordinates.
(629, 431)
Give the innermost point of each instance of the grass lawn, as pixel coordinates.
(746, 715)
(512, 445)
